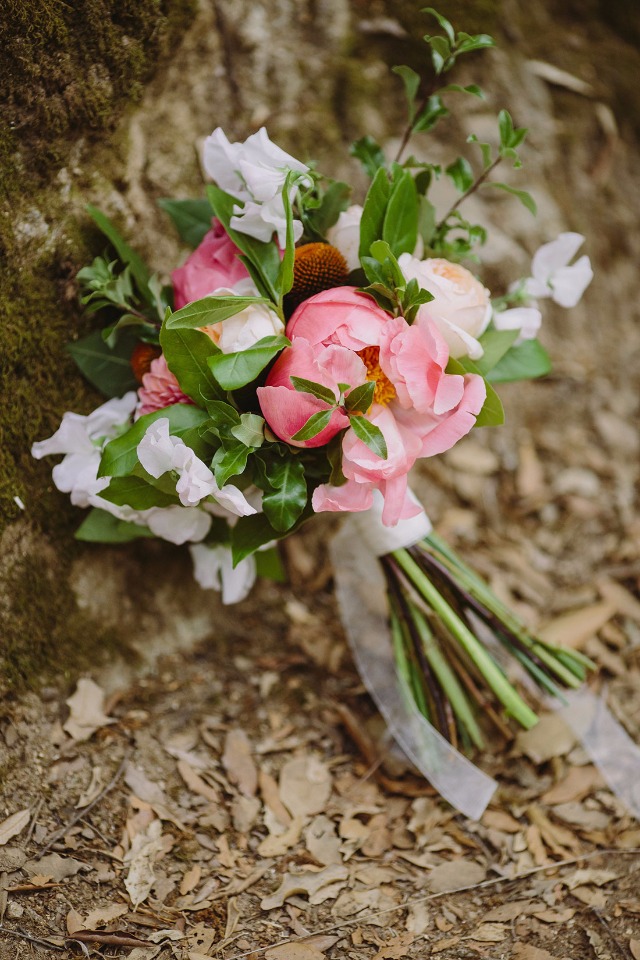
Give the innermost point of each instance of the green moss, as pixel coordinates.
(62, 639)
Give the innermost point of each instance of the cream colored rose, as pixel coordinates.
(243, 329)
(461, 306)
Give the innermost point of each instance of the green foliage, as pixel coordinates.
(320, 207)
(102, 527)
(284, 502)
(209, 310)
(235, 370)
(191, 218)
(107, 367)
(369, 434)
(187, 352)
(370, 154)
(526, 361)
(120, 455)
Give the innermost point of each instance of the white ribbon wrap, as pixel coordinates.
(362, 600)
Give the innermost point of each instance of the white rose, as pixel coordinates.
(243, 329)
(461, 306)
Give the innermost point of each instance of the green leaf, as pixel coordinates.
(314, 425)
(370, 154)
(137, 493)
(444, 23)
(249, 534)
(411, 81)
(120, 455)
(138, 267)
(371, 435)
(235, 370)
(187, 353)
(334, 200)
(480, 41)
(265, 257)
(229, 460)
(440, 53)
(284, 281)
(525, 362)
(315, 389)
(223, 415)
(495, 344)
(461, 174)
(471, 88)
(523, 196)
(107, 368)
(102, 527)
(400, 226)
(191, 218)
(269, 565)
(284, 505)
(485, 148)
(360, 398)
(374, 210)
(382, 252)
(210, 310)
(432, 112)
(492, 413)
(250, 430)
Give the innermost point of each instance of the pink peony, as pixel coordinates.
(214, 264)
(286, 409)
(419, 408)
(159, 389)
(340, 315)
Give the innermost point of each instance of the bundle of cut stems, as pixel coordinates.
(444, 620)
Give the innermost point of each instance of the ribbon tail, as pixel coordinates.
(609, 746)
(362, 600)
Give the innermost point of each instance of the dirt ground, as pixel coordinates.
(234, 805)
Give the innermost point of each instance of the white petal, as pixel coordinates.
(569, 283)
(70, 437)
(525, 319)
(555, 254)
(234, 501)
(107, 419)
(237, 581)
(157, 449)
(178, 524)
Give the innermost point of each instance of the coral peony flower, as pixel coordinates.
(461, 307)
(215, 263)
(286, 409)
(159, 389)
(341, 316)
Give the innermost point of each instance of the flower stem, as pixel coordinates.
(508, 696)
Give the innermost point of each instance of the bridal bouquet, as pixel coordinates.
(304, 357)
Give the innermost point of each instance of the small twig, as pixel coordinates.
(472, 189)
(29, 888)
(34, 820)
(26, 936)
(4, 895)
(85, 810)
(430, 90)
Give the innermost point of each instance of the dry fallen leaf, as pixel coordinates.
(579, 783)
(95, 786)
(151, 793)
(87, 710)
(233, 917)
(195, 782)
(551, 737)
(575, 628)
(305, 786)
(74, 921)
(395, 950)
(319, 887)
(103, 915)
(294, 951)
(145, 848)
(454, 875)
(489, 933)
(54, 866)
(277, 844)
(191, 879)
(14, 825)
(238, 762)
(634, 947)
(322, 842)
(500, 820)
(525, 951)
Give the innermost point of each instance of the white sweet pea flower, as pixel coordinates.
(196, 480)
(253, 172)
(525, 319)
(81, 439)
(553, 275)
(213, 569)
(178, 524)
(157, 449)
